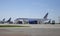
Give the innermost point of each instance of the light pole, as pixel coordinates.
(59, 19)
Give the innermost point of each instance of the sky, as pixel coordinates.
(29, 9)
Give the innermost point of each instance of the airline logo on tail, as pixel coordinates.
(45, 17)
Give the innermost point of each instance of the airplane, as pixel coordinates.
(2, 21)
(8, 21)
(33, 20)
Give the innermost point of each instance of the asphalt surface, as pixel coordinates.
(29, 31)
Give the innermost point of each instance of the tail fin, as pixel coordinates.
(9, 20)
(45, 17)
(3, 19)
